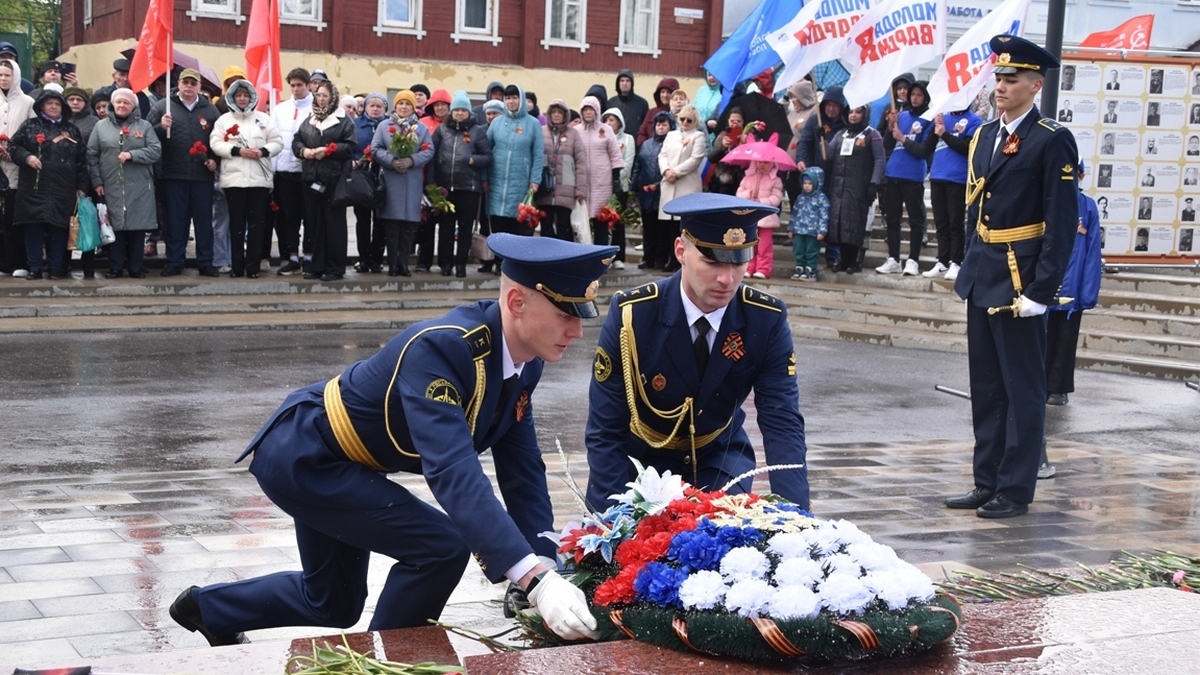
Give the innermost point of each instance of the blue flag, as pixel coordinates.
(746, 53)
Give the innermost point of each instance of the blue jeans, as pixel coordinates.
(189, 202)
(221, 243)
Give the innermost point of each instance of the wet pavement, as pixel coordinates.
(118, 489)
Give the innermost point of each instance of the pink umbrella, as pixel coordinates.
(759, 151)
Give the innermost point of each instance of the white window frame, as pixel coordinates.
(652, 49)
(413, 28)
(230, 10)
(490, 34)
(549, 40)
(313, 19)
(87, 13)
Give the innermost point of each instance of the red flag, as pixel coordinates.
(1133, 34)
(155, 54)
(262, 52)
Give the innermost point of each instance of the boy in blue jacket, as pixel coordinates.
(809, 224)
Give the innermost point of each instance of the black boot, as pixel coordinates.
(186, 613)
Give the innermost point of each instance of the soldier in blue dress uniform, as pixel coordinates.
(1022, 207)
(429, 402)
(678, 358)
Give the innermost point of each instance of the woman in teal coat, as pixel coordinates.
(517, 161)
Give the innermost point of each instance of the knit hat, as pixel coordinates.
(461, 101)
(125, 93)
(404, 95)
(76, 91)
(376, 95)
(421, 88)
(493, 106)
(232, 73)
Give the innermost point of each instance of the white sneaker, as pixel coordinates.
(889, 267)
(638, 247)
(20, 273)
(910, 268)
(747, 275)
(952, 273)
(225, 269)
(264, 265)
(759, 275)
(618, 265)
(936, 271)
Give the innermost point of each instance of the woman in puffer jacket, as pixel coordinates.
(461, 155)
(244, 139)
(600, 171)
(564, 154)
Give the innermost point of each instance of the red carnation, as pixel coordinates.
(40, 138)
(3, 138)
(424, 146)
(392, 129)
(233, 130)
(124, 131)
(618, 589)
(331, 148)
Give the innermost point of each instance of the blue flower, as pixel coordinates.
(736, 537)
(698, 550)
(659, 583)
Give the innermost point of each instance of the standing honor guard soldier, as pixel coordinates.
(439, 394)
(1021, 196)
(677, 359)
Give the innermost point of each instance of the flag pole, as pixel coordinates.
(1054, 36)
(821, 132)
(170, 67)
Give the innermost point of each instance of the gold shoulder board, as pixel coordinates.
(753, 296)
(480, 340)
(1050, 124)
(647, 292)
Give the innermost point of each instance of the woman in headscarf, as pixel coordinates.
(370, 234)
(600, 172)
(121, 155)
(53, 159)
(15, 108)
(403, 176)
(326, 142)
(855, 170)
(564, 154)
(244, 139)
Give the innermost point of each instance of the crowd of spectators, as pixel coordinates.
(191, 164)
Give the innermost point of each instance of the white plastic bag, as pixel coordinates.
(107, 236)
(580, 222)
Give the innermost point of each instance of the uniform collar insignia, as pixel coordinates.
(1068, 168)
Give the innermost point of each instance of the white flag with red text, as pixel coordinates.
(895, 36)
(967, 68)
(815, 36)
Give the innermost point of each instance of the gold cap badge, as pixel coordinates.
(734, 236)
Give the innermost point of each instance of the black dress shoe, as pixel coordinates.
(645, 264)
(210, 271)
(972, 500)
(312, 275)
(1056, 399)
(54, 275)
(186, 613)
(446, 271)
(376, 269)
(329, 276)
(140, 274)
(171, 271)
(460, 272)
(422, 268)
(34, 275)
(393, 273)
(112, 274)
(251, 275)
(1001, 507)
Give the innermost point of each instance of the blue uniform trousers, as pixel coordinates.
(342, 511)
(1008, 399)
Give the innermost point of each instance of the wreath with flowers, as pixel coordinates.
(746, 576)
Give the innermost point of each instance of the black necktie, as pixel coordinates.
(506, 389)
(700, 345)
(1003, 136)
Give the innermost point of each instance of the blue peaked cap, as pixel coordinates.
(722, 227)
(565, 272)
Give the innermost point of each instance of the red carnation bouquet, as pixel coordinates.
(528, 213)
(198, 149)
(610, 214)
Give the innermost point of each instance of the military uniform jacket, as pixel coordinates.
(430, 402)
(752, 351)
(1035, 184)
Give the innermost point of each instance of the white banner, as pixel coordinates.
(895, 36)
(969, 62)
(815, 36)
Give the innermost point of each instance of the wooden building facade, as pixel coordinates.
(657, 36)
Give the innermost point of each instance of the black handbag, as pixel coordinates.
(546, 187)
(356, 187)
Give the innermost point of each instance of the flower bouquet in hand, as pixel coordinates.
(610, 212)
(528, 213)
(752, 577)
(404, 139)
(234, 135)
(438, 199)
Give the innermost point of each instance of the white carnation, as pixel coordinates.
(790, 545)
(842, 563)
(702, 590)
(849, 533)
(804, 572)
(794, 602)
(873, 556)
(826, 539)
(888, 586)
(744, 563)
(916, 585)
(844, 594)
(749, 597)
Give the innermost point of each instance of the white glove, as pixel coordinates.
(563, 607)
(1030, 308)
